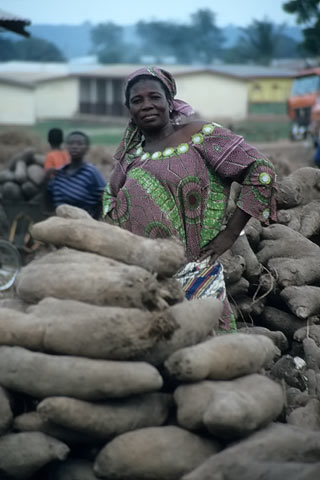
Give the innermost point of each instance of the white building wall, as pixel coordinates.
(214, 97)
(57, 98)
(16, 105)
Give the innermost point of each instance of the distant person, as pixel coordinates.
(57, 157)
(315, 134)
(78, 183)
(316, 157)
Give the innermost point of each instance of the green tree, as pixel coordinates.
(258, 43)
(161, 39)
(34, 49)
(38, 50)
(287, 47)
(8, 50)
(308, 15)
(199, 41)
(108, 44)
(207, 38)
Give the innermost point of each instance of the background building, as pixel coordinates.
(31, 92)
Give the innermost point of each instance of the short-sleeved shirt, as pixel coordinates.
(56, 159)
(82, 189)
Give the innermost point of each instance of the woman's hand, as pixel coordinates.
(225, 239)
(214, 249)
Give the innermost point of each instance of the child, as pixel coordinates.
(57, 157)
(78, 183)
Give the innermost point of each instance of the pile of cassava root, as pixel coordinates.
(107, 372)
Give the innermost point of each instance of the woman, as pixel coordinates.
(78, 183)
(172, 178)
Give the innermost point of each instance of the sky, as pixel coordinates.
(128, 12)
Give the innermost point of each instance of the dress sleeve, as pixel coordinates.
(257, 196)
(236, 160)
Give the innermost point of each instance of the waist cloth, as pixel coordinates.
(200, 280)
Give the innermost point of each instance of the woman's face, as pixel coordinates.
(148, 105)
(77, 146)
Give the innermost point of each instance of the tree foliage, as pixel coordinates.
(8, 50)
(31, 49)
(306, 10)
(162, 39)
(108, 44)
(207, 37)
(38, 50)
(308, 15)
(199, 41)
(106, 33)
(262, 41)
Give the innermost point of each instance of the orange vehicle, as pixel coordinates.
(304, 103)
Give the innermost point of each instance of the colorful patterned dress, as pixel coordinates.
(183, 191)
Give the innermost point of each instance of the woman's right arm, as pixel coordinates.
(117, 180)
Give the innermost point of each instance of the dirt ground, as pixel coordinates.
(287, 155)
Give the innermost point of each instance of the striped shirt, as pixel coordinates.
(82, 189)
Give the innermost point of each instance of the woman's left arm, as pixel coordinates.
(226, 238)
(246, 165)
(241, 162)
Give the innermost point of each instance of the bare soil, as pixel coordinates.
(287, 155)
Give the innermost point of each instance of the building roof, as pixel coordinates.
(123, 70)
(13, 23)
(28, 79)
(308, 71)
(253, 71)
(241, 72)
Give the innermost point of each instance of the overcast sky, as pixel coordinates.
(126, 12)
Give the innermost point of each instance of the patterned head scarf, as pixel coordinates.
(133, 135)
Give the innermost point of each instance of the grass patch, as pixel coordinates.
(98, 133)
(263, 129)
(110, 138)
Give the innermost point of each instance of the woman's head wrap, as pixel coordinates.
(132, 135)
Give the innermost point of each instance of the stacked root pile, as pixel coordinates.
(21, 182)
(107, 372)
(22, 179)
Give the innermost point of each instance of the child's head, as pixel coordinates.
(77, 144)
(55, 137)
